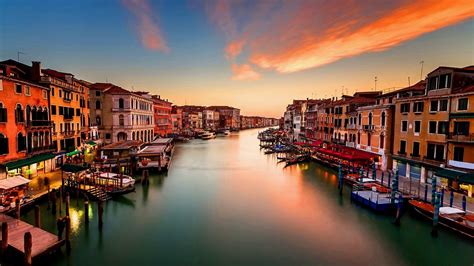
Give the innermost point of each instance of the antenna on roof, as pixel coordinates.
(421, 74)
(18, 55)
(409, 82)
(375, 80)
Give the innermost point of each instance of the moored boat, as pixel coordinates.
(449, 217)
(208, 135)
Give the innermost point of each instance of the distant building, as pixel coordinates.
(120, 114)
(162, 113)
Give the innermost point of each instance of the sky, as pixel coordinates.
(254, 55)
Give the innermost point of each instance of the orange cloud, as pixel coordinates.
(244, 72)
(148, 30)
(234, 48)
(298, 35)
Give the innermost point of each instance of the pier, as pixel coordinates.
(42, 241)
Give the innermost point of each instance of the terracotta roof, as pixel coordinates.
(109, 88)
(420, 86)
(55, 73)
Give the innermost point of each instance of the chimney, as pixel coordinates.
(36, 71)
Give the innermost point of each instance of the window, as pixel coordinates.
(360, 119)
(97, 93)
(443, 105)
(78, 112)
(462, 104)
(432, 127)
(416, 149)
(405, 108)
(435, 152)
(461, 128)
(382, 119)
(27, 90)
(61, 110)
(3, 114)
(60, 127)
(445, 81)
(458, 154)
(121, 120)
(97, 105)
(369, 139)
(19, 115)
(3, 145)
(53, 109)
(418, 107)
(21, 142)
(404, 126)
(107, 135)
(403, 146)
(45, 94)
(18, 88)
(434, 106)
(417, 128)
(121, 103)
(443, 127)
(52, 91)
(370, 119)
(382, 141)
(432, 83)
(60, 93)
(98, 120)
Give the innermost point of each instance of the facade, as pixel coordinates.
(176, 119)
(162, 114)
(432, 130)
(247, 122)
(25, 125)
(211, 119)
(120, 114)
(229, 117)
(69, 109)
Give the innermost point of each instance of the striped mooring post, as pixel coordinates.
(441, 202)
(394, 185)
(451, 199)
(434, 231)
(433, 190)
(464, 203)
(374, 172)
(399, 209)
(381, 180)
(340, 184)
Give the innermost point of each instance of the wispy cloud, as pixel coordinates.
(145, 22)
(244, 72)
(291, 36)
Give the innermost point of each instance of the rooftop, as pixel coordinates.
(123, 145)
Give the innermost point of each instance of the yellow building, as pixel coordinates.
(69, 110)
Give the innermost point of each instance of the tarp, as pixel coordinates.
(92, 143)
(28, 161)
(74, 152)
(12, 182)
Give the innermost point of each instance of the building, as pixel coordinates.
(162, 114)
(25, 125)
(424, 145)
(229, 117)
(120, 114)
(176, 119)
(69, 110)
(211, 119)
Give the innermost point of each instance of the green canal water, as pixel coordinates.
(224, 202)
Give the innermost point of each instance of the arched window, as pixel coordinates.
(370, 118)
(21, 142)
(360, 119)
(121, 120)
(133, 135)
(45, 114)
(98, 120)
(3, 144)
(97, 104)
(382, 119)
(121, 103)
(369, 139)
(382, 141)
(19, 115)
(28, 114)
(358, 137)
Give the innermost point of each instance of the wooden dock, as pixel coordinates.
(42, 241)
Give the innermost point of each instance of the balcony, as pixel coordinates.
(368, 127)
(460, 137)
(69, 133)
(42, 149)
(39, 123)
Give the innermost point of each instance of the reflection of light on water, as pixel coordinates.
(76, 216)
(304, 167)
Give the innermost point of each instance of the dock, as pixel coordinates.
(42, 241)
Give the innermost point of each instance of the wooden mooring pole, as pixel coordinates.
(86, 211)
(101, 211)
(37, 216)
(4, 238)
(28, 245)
(68, 200)
(17, 206)
(68, 234)
(53, 201)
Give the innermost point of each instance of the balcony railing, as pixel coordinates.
(39, 123)
(368, 127)
(41, 149)
(461, 137)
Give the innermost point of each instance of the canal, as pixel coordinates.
(224, 202)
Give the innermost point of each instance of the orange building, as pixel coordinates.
(162, 114)
(25, 126)
(429, 127)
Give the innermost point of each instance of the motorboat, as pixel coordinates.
(208, 135)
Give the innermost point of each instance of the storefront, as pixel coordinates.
(32, 166)
(456, 180)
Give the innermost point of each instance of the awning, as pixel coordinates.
(74, 152)
(72, 168)
(12, 182)
(467, 178)
(28, 161)
(92, 143)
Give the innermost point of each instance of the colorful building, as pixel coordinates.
(25, 125)
(162, 113)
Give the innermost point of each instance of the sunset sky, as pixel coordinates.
(256, 56)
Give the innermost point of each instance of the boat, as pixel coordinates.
(208, 135)
(115, 184)
(296, 159)
(377, 201)
(449, 217)
(352, 179)
(224, 132)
